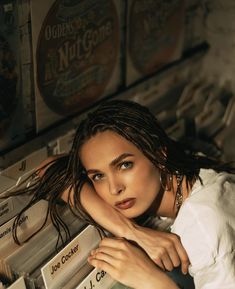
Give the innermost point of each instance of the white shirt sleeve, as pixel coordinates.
(204, 236)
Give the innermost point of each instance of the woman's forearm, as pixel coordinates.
(156, 244)
(106, 216)
(102, 213)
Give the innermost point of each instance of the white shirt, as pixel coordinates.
(206, 225)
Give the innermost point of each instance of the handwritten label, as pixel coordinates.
(8, 229)
(28, 222)
(97, 279)
(67, 256)
(70, 259)
(5, 207)
(20, 170)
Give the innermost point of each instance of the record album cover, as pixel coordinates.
(76, 46)
(155, 34)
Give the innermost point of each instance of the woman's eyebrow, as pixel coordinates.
(120, 158)
(113, 163)
(92, 171)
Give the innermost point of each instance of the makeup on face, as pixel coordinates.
(125, 204)
(120, 173)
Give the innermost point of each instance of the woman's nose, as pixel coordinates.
(116, 188)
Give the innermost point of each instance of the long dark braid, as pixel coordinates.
(49, 187)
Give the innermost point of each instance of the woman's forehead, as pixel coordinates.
(105, 139)
(106, 146)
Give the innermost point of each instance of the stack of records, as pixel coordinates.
(27, 259)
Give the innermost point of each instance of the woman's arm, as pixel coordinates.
(165, 249)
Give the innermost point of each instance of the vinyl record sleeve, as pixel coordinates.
(29, 222)
(33, 255)
(11, 206)
(76, 49)
(22, 169)
(78, 276)
(16, 103)
(18, 284)
(27, 259)
(155, 35)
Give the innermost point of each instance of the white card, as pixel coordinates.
(72, 257)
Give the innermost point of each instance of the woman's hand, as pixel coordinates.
(165, 249)
(129, 265)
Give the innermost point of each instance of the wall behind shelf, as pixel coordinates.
(205, 20)
(219, 63)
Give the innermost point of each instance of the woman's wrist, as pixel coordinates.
(131, 231)
(156, 278)
(134, 232)
(125, 228)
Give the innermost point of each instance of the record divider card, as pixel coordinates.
(70, 259)
(18, 284)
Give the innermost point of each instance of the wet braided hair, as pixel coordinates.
(136, 124)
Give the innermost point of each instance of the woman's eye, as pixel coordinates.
(126, 165)
(97, 177)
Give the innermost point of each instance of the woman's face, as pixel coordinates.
(122, 176)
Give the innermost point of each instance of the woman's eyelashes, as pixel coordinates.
(125, 165)
(97, 177)
(121, 166)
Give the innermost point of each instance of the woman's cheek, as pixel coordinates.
(101, 191)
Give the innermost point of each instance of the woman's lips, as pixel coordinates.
(125, 204)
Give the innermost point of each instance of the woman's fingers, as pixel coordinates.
(129, 265)
(113, 256)
(183, 260)
(174, 257)
(162, 246)
(172, 254)
(107, 253)
(102, 264)
(110, 257)
(110, 250)
(102, 256)
(165, 262)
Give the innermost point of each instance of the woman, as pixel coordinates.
(122, 169)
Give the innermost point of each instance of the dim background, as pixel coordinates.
(197, 79)
(59, 59)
